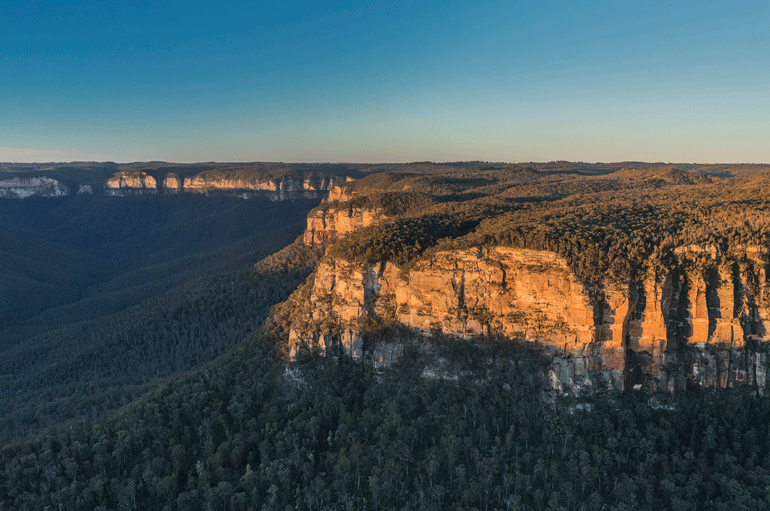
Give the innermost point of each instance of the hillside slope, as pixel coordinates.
(484, 282)
(102, 296)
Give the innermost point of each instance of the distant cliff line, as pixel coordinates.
(313, 185)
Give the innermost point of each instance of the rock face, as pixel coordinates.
(173, 183)
(19, 188)
(706, 327)
(276, 189)
(128, 182)
(132, 182)
(332, 223)
(314, 185)
(340, 193)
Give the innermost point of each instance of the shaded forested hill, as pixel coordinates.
(101, 296)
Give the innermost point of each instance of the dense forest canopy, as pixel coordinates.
(611, 227)
(247, 433)
(102, 296)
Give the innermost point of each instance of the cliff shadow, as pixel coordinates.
(714, 286)
(638, 362)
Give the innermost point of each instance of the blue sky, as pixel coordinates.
(672, 81)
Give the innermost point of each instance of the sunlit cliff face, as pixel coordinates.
(129, 182)
(132, 180)
(324, 226)
(687, 325)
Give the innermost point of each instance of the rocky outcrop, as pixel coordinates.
(665, 332)
(340, 193)
(276, 189)
(314, 187)
(19, 188)
(160, 181)
(129, 182)
(331, 223)
(173, 183)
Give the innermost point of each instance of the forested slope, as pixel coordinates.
(243, 433)
(453, 424)
(105, 295)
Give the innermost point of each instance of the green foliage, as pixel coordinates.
(609, 228)
(129, 290)
(390, 203)
(451, 426)
(29, 286)
(244, 433)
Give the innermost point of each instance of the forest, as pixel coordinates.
(100, 297)
(147, 367)
(246, 432)
(609, 227)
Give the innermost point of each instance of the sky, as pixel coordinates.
(370, 81)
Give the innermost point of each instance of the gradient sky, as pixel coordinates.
(672, 81)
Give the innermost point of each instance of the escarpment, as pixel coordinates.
(277, 188)
(315, 186)
(274, 181)
(329, 224)
(131, 181)
(19, 188)
(688, 325)
(340, 194)
(345, 212)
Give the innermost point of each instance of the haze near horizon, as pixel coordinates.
(383, 82)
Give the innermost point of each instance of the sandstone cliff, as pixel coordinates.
(127, 182)
(276, 188)
(19, 188)
(331, 223)
(689, 325)
(173, 183)
(240, 182)
(346, 211)
(340, 194)
(282, 188)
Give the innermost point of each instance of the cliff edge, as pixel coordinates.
(662, 333)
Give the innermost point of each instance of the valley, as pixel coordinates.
(102, 295)
(471, 334)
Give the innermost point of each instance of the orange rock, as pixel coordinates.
(333, 224)
(132, 180)
(661, 332)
